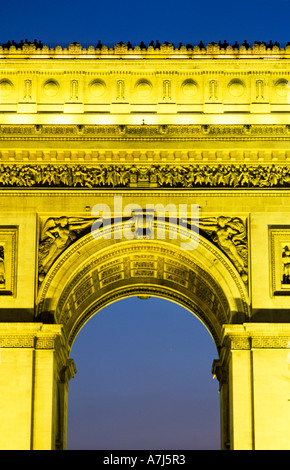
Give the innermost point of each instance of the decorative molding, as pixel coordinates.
(29, 335)
(252, 341)
(130, 132)
(17, 341)
(270, 342)
(233, 342)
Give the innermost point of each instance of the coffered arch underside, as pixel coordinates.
(95, 272)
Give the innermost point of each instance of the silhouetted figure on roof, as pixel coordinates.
(224, 45)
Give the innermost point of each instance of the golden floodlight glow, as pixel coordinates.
(88, 135)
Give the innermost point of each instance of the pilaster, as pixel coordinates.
(254, 375)
(33, 386)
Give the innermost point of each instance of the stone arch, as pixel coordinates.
(95, 271)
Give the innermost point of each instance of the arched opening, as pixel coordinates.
(95, 273)
(144, 380)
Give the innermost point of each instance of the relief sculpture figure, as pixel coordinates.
(2, 267)
(57, 234)
(230, 235)
(286, 265)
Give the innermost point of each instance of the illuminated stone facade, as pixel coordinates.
(189, 125)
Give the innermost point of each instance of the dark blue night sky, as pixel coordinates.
(144, 380)
(144, 367)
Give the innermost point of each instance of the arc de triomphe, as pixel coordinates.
(162, 127)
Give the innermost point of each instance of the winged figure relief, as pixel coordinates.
(231, 236)
(57, 234)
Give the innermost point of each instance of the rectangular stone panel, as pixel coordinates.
(279, 241)
(8, 260)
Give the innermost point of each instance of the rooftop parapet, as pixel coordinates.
(270, 49)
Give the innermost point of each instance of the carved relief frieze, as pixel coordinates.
(185, 176)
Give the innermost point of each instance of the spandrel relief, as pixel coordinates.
(230, 235)
(57, 234)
